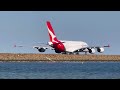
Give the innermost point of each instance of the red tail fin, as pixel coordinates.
(51, 32)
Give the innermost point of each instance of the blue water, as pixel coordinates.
(59, 70)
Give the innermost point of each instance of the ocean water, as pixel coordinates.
(59, 70)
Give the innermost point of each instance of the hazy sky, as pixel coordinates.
(29, 27)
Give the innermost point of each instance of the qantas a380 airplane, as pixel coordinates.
(67, 47)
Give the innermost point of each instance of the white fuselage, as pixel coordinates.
(71, 46)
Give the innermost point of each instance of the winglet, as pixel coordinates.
(14, 45)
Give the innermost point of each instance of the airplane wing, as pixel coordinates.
(91, 49)
(45, 47)
(40, 48)
(99, 46)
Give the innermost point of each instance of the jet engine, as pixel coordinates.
(41, 50)
(92, 50)
(100, 50)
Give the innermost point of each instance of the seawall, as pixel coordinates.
(56, 57)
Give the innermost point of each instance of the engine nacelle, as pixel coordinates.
(100, 50)
(92, 50)
(41, 50)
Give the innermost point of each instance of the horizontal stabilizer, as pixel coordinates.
(107, 45)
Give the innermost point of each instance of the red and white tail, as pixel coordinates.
(51, 32)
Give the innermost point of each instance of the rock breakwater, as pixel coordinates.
(56, 57)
